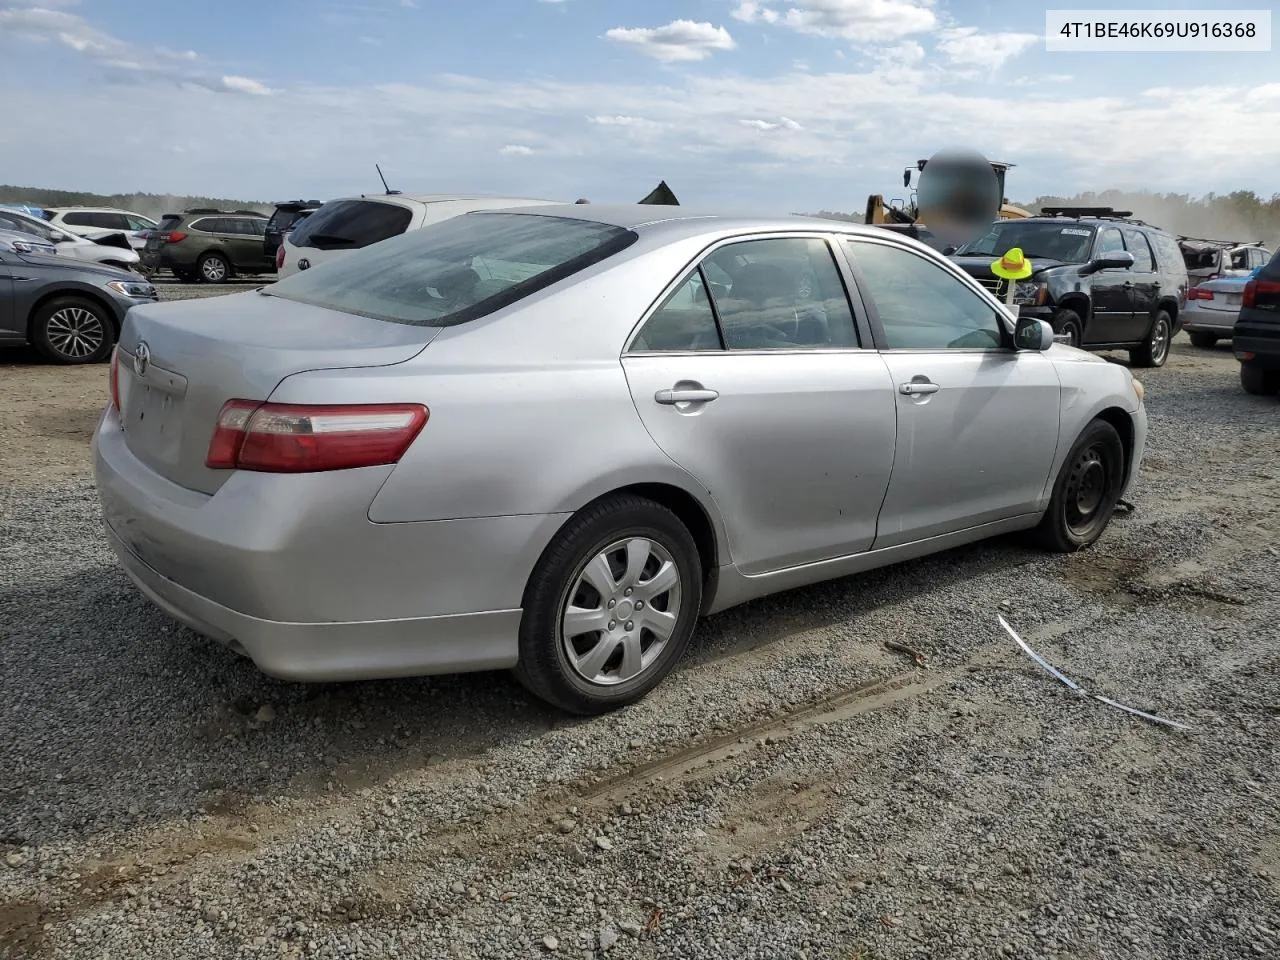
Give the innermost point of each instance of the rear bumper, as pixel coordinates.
(1221, 322)
(290, 570)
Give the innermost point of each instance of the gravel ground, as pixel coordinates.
(161, 798)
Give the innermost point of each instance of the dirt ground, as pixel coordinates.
(795, 789)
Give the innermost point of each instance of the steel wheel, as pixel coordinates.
(1087, 489)
(75, 333)
(213, 268)
(620, 611)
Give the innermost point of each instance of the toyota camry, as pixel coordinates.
(550, 439)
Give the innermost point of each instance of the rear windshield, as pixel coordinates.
(169, 221)
(457, 270)
(281, 218)
(351, 224)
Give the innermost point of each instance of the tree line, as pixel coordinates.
(153, 205)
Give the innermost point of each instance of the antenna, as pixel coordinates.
(390, 192)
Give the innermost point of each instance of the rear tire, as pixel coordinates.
(1205, 341)
(585, 645)
(1086, 491)
(1260, 383)
(214, 268)
(1155, 349)
(72, 330)
(1067, 323)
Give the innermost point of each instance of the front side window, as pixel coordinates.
(921, 305)
(1110, 241)
(456, 270)
(1136, 241)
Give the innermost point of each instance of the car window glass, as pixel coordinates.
(35, 228)
(921, 305)
(137, 223)
(205, 225)
(251, 227)
(1136, 241)
(350, 224)
(1110, 241)
(780, 294)
(79, 219)
(685, 321)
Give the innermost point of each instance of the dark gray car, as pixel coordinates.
(69, 310)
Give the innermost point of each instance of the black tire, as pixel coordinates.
(213, 268)
(1260, 383)
(186, 276)
(1205, 341)
(561, 575)
(72, 330)
(1154, 350)
(1068, 323)
(1086, 491)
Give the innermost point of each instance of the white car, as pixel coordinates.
(350, 223)
(93, 222)
(68, 244)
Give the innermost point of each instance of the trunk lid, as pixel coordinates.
(201, 353)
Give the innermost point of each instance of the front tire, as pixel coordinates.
(214, 268)
(610, 607)
(1067, 323)
(1260, 383)
(72, 330)
(1205, 341)
(1155, 349)
(1086, 491)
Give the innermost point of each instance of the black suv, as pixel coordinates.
(287, 215)
(1256, 337)
(1102, 280)
(208, 245)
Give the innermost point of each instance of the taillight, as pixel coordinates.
(115, 380)
(1255, 287)
(173, 236)
(1199, 293)
(280, 257)
(307, 438)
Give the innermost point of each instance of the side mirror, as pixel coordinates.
(948, 250)
(1032, 334)
(1115, 260)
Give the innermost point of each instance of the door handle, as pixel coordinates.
(1128, 284)
(685, 395)
(917, 388)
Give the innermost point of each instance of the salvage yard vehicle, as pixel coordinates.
(1256, 336)
(1213, 259)
(1212, 308)
(93, 222)
(1101, 279)
(69, 310)
(351, 223)
(287, 215)
(551, 438)
(68, 244)
(212, 246)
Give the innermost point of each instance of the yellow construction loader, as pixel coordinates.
(904, 214)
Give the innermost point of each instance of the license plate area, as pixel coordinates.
(152, 411)
(1233, 299)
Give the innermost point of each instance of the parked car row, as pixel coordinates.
(110, 248)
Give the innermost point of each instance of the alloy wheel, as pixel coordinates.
(75, 332)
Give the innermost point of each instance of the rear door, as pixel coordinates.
(758, 387)
(977, 420)
(1112, 318)
(8, 319)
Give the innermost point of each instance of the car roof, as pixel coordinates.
(444, 197)
(689, 221)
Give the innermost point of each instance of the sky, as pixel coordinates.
(776, 105)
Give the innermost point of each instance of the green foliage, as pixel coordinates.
(1240, 215)
(152, 205)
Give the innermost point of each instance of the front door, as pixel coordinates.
(758, 388)
(9, 328)
(977, 420)
(1112, 320)
(1146, 283)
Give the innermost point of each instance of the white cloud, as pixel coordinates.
(516, 150)
(971, 47)
(767, 126)
(861, 21)
(620, 120)
(679, 40)
(246, 85)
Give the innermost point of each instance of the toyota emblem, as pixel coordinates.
(141, 359)
(304, 264)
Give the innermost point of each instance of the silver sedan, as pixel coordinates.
(550, 439)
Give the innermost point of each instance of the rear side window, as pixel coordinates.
(455, 271)
(351, 224)
(81, 220)
(208, 225)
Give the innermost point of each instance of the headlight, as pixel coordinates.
(1139, 389)
(23, 246)
(135, 289)
(1030, 292)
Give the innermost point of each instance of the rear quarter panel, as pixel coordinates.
(530, 411)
